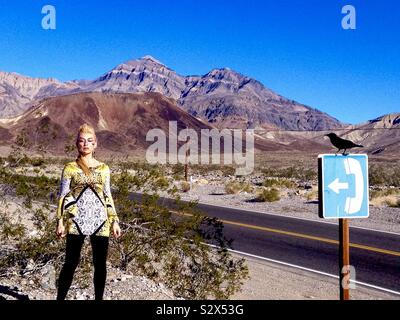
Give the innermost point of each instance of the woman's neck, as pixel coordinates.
(87, 157)
(89, 160)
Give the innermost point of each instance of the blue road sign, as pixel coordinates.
(343, 186)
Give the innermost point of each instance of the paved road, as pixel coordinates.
(311, 244)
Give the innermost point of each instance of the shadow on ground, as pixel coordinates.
(12, 292)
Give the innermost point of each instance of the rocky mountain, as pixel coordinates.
(222, 97)
(143, 75)
(121, 121)
(229, 99)
(17, 92)
(380, 135)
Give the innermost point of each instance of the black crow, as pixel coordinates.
(341, 143)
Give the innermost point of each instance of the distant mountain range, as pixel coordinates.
(121, 121)
(143, 94)
(222, 97)
(378, 136)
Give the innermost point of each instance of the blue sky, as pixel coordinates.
(296, 48)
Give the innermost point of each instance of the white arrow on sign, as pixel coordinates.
(336, 186)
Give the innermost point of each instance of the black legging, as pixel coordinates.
(72, 257)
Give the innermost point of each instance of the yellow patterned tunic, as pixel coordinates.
(85, 202)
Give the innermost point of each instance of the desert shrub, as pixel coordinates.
(268, 195)
(312, 195)
(185, 186)
(383, 196)
(246, 187)
(291, 173)
(383, 193)
(280, 182)
(384, 175)
(10, 230)
(170, 247)
(37, 162)
(37, 251)
(29, 254)
(167, 246)
(178, 177)
(178, 169)
(29, 187)
(234, 187)
(139, 166)
(205, 169)
(17, 159)
(395, 203)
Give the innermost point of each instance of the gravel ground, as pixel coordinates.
(119, 286)
(267, 281)
(270, 281)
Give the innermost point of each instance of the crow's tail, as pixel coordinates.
(359, 145)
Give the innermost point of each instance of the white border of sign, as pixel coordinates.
(322, 185)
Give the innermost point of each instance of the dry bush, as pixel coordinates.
(385, 197)
(268, 195)
(185, 186)
(312, 195)
(167, 247)
(234, 187)
(279, 182)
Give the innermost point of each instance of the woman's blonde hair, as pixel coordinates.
(85, 128)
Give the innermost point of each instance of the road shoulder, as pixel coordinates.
(271, 281)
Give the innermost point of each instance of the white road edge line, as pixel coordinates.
(307, 269)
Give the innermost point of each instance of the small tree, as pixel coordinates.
(70, 147)
(171, 246)
(167, 245)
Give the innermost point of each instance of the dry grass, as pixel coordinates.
(385, 197)
(390, 200)
(269, 195)
(185, 186)
(279, 182)
(312, 195)
(234, 187)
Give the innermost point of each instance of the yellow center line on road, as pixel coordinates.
(304, 236)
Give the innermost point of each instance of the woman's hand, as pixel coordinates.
(116, 230)
(60, 229)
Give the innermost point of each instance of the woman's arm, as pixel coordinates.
(111, 212)
(65, 184)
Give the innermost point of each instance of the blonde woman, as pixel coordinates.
(85, 208)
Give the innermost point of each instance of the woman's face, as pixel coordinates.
(86, 143)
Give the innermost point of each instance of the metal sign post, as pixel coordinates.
(343, 195)
(344, 259)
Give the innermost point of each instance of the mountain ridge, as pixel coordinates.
(121, 121)
(222, 96)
